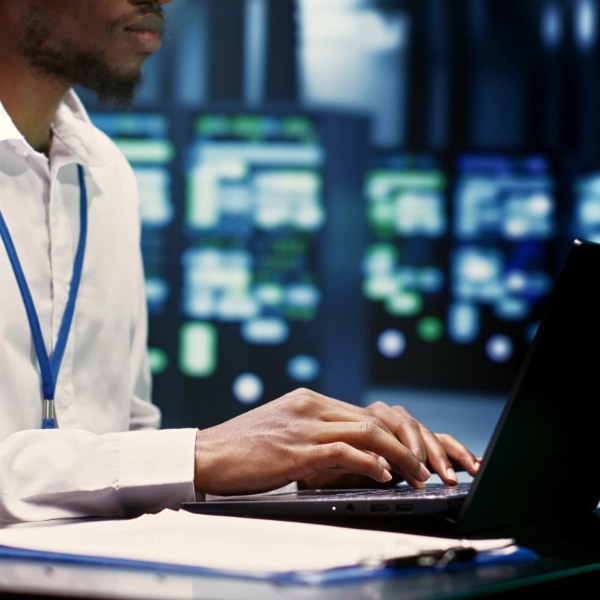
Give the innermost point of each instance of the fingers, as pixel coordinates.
(366, 430)
(438, 458)
(442, 452)
(338, 478)
(460, 456)
(401, 423)
(446, 453)
(370, 438)
(344, 456)
(384, 463)
(390, 432)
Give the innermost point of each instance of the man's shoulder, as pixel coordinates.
(106, 152)
(114, 154)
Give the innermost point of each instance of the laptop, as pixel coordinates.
(542, 460)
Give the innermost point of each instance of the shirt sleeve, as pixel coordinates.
(58, 474)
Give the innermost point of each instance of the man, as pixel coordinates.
(65, 187)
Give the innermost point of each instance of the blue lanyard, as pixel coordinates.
(50, 367)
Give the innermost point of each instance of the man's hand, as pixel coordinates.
(303, 433)
(440, 452)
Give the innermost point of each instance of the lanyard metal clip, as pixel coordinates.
(49, 418)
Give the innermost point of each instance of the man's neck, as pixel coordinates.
(31, 99)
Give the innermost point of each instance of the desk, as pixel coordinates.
(569, 551)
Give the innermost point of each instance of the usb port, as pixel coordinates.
(380, 508)
(405, 507)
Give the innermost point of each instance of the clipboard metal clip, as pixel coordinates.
(438, 559)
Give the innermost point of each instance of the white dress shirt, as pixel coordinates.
(107, 457)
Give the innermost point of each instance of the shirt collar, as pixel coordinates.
(8, 130)
(73, 126)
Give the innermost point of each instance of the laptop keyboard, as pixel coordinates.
(434, 490)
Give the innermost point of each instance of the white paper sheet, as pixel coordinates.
(227, 543)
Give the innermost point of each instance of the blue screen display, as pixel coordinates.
(462, 255)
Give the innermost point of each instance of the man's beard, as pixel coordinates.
(88, 69)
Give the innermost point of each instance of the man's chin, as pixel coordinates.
(114, 87)
(118, 92)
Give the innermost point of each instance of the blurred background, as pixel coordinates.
(369, 198)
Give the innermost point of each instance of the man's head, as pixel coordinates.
(98, 44)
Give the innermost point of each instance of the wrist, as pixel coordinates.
(198, 464)
(204, 464)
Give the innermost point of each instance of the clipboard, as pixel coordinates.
(454, 559)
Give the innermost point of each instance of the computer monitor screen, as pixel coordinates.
(462, 254)
(586, 221)
(251, 286)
